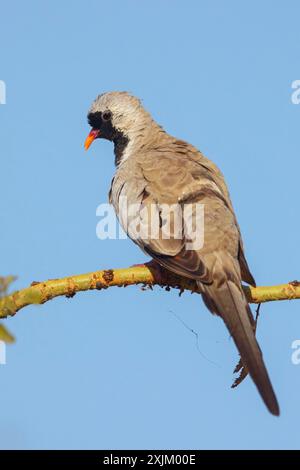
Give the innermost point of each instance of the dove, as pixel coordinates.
(155, 170)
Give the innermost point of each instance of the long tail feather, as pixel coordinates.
(226, 298)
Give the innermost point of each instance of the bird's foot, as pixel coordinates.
(243, 372)
(156, 269)
(240, 367)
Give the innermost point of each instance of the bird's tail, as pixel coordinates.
(226, 298)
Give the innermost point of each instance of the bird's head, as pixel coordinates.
(113, 116)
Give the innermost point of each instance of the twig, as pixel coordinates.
(147, 275)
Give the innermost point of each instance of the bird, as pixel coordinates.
(154, 169)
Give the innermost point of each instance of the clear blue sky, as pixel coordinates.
(118, 369)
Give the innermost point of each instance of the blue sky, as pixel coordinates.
(118, 368)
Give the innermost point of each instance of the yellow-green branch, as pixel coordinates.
(148, 275)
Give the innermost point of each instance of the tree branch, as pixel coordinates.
(147, 275)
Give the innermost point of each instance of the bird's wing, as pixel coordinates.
(182, 178)
(218, 178)
(178, 175)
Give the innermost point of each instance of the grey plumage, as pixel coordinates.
(154, 169)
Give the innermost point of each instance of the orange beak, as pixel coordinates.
(94, 134)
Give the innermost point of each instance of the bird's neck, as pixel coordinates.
(141, 137)
(121, 142)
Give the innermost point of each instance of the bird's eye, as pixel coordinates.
(106, 116)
